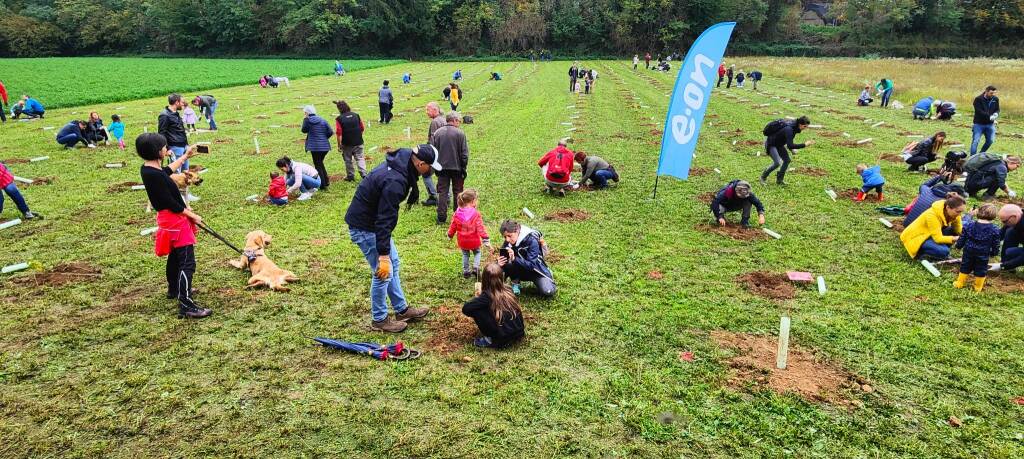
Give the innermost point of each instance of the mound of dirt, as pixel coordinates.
(656, 132)
(14, 161)
(897, 225)
(568, 215)
(123, 186)
(37, 181)
(736, 232)
(750, 143)
(231, 122)
(1002, 282)
(773, 286)
(852, 193)
(620, 135)
(830, 134)
(282, 112)
(854, 144)
(893, 157)
(224, 141)
(655, 275)
(261, 117)
(699, 171)
(66, 273)
(806, 375)
(450, 329)
(812, 171)
(856, 118)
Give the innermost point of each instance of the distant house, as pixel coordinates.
(816, 13)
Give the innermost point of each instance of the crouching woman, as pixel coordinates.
(522, 258)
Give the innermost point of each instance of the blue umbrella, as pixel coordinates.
(375, 350)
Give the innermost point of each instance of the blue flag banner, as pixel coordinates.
(690, 100)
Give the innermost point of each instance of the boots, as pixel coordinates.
(411, 314)
(961, 280)
(860, 196)
(979, 283)
(389, 325)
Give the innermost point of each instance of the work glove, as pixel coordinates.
(993, 117)
(1011, 193)
(383, 267)
(995, 267)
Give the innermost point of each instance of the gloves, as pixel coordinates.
(995, 267)
(993, 117)
(1011, 193)
(383, 267)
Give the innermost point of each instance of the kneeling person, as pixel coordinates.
(522, 258)
(496, 311)
(736, 196)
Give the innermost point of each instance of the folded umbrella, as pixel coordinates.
(396, 351)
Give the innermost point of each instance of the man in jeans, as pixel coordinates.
(453, 154)
(207, 106)
(170, 125)
(986, 111)
(437, 121)
(386, 101)
(371, 218)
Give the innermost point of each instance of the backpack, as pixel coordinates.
(468, 119)
(556, 169)
(774, 127)
(981, 160)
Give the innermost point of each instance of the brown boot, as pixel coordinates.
(411, 314)
(389, 325)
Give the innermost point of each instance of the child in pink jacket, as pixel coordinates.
(469, 225)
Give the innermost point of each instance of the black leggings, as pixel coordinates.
(181, 265)
(321, 170)
(916, 162)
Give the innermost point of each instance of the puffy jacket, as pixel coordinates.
(278, 188)
(170, 125)
(116, 129)
(349, 128)
(721, 69)
(566, 161)
(5, 176)
(726, 197)
(933, 189)
(375, 204)
(3, 92)
(930, 225)
(872, 176)
(529, 254)
(318, 134)
(469, 225)
(985, 108)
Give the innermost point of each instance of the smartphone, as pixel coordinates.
(202, 148)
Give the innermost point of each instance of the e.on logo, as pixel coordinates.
(683, 125)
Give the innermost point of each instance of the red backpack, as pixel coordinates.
(556, 167)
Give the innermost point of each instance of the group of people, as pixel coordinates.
(728, 74)
(28, 107)
(90, 132)
(577, 75)
(273, 82)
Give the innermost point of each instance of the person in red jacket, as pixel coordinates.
(278, 192)
(556, 165)
(469, 225)
(3, 98)
(721, 74)
(7, 186)
(647, 61)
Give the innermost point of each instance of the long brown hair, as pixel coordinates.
(936, 143)
(503, 302)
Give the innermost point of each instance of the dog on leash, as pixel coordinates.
(264, 271)
(183, 180)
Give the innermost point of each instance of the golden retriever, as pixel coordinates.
(264, 271)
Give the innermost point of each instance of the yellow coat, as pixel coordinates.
(455, 95)
(929, 225)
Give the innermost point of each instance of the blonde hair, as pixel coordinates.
(467, 197)
(988, 212)
(861, 168)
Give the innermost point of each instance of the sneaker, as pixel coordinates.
(192, 312)
(615, 174)
(92, 145)
(475, 273)
(431, 201)
(411, 314)
(482, 341)
(305, 196)
(466, 274)
(388, 325)
(31, 216)
(192, 198)
(516, 290)
(350, 178)
(764, 182)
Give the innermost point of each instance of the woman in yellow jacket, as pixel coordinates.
(934, 232)
(455, 97)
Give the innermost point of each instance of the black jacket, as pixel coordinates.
(510, 329)
(784, 138)
(985, 108)
(72, 128)
(351, 129)
(574, 72)
(170, 126)
(726, 197)
(1012, 237)
(378, 197)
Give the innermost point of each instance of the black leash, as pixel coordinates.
(219, 237)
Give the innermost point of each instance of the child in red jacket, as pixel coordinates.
(468, 223)
(278, 192)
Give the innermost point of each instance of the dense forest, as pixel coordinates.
(425, 28)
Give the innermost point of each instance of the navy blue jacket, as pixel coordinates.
(72, 128)
(318, 134)
(933, 189)
(980, 240)
(784, 138)
(1013, 237)
(529, 255)
(378, 197)
(993, 173)
(726, 197)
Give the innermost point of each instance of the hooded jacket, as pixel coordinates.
(566, 161)
(930, 191)
(375, 204)
(529, 254)
(726, 198)
(469, 225)
(872, 176)
(318, 134)
(930, 225)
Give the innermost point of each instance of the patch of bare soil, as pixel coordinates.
(750, 143)
(700, 171)
(655, 275)
(37, 181)
(706, 198)
(655, 132)
(231, 122)
(224, 141)
(736, 232)
(65, 273)
(906, 133)
(282, 112)
(264, 151)
(852, 193)
(620, 135)
(1007, 200)
(261, 117)
(893, 157)
(773, 286)
(14, 161)
(568, 215)
(856, 118)
(123, 186)
(854, 144)
(450, 329)
(830, 134)
(897, 225)
(812, 171)
(995, 281)
(553, 257)
(806, 375)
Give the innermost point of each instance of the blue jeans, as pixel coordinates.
(308, 183)
(974, 264)
(209, 116)
(1013, 257)
(867, 189)
(885, 97)
(15, 195)
(69, 140)
(380, 289)
(601, 178)
(176, 153)
(987, 130)
(278, 201)
(933, 250)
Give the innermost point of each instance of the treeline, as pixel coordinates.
(425, 28)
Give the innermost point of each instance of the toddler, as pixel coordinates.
(873, 180)
(189, 118)
(979, 241)
(116, 129)
(469, 225)
(739, 79)
(278, 192)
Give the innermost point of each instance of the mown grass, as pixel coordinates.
(71, 81)
(960, 80)
(104, 369)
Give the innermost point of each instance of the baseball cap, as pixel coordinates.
(428, 154)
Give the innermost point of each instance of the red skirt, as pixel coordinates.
(173, 231)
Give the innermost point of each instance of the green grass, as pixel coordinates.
(71, 81)
(103, 368)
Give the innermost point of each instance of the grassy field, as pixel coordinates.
(960, 80)
(71, 81)
(101, 367)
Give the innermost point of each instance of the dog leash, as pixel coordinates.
(219, 237)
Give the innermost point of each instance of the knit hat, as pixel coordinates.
(309, 109)
(742, 189)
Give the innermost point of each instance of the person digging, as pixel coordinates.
(736, 196)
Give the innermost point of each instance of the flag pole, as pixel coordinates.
(656, 176)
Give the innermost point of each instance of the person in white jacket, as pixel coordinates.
(299, 176)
